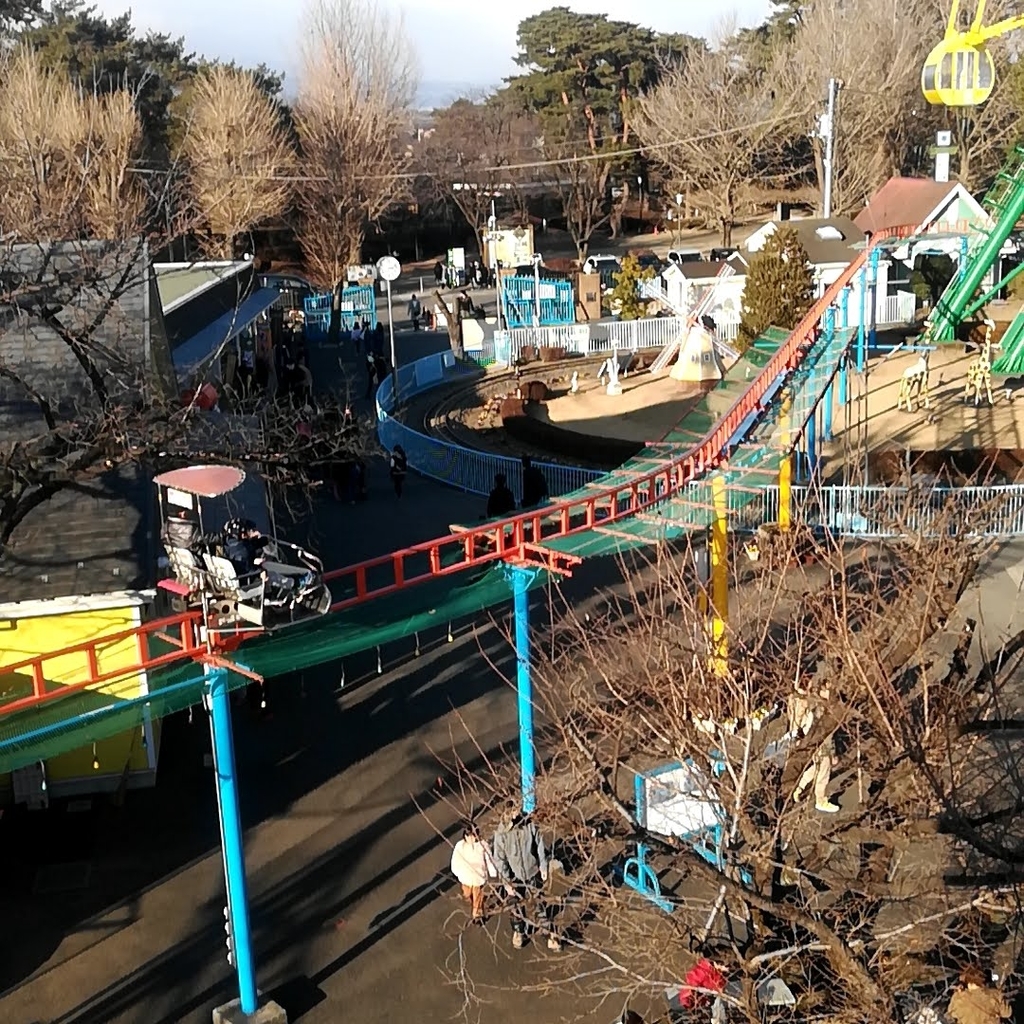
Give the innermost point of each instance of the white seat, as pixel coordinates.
(184, 566)
(226, 578)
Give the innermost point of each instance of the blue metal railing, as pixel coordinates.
(867, 512)
(463, 468)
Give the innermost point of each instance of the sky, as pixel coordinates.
(461, 43)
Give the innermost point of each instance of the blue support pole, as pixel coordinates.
(829, 397)
(874, 258)
(862, 323)
(812, 446)
(521, 578)
(231, 838)
(844, 323)
(962, 268)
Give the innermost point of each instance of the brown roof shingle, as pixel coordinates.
(903, 201)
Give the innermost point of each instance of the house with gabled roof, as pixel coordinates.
(831, 244)
(936, 211)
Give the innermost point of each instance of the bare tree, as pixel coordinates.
(866, 892)
(469, 152)
(582, 180)
(237, 156)
(717, 126)
(876, 49)
(358, 80)
(86, 380)
(67, 155)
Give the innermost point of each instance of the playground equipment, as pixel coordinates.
(979, 372)
(679, 801)
(960, 71)
(914, 385)
(654, 497)
(706, 301)
(285, 588)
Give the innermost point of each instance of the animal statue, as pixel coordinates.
(979, 372)
(914, 385)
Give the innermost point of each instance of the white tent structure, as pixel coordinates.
(698, 360)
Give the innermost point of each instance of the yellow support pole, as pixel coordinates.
(719, 577)
(786, 465)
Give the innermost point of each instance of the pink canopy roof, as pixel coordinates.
(202, 481)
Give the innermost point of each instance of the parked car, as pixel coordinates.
(650, 261)
(679, 256)
(723, 252)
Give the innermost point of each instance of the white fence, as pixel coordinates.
(900, 308)
(595, 338)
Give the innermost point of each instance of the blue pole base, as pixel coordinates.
(826, 415)
(232, 1013)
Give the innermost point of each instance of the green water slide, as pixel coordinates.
(1005, 202)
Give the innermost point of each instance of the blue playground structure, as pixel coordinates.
(358, 302)
(521, 296)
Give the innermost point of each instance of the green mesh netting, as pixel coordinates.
(76, 721)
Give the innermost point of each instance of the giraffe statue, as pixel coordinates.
(914, 385)
(979, 372)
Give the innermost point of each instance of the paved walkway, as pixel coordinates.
(352, 906)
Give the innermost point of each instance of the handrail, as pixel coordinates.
(493, 542)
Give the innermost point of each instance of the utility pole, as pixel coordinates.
(827, 134)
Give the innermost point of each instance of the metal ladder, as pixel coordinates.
(726, 351)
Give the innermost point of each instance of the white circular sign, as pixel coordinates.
(389, 268)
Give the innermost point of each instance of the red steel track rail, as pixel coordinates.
(516, 539)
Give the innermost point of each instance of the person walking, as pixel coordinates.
(358, 333)
(399, 466)
(371, 374)
(535, 487)
(378, 338)
(473, 866)
(522, 863)
(439, 273)
(501, 501)
(415, 309)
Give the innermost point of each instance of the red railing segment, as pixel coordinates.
(186, 648)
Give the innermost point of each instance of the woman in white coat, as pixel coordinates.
(473, 867)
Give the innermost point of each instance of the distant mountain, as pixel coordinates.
(432, 95)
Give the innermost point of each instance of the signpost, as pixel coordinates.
(389, 269)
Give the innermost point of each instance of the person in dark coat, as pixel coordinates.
(501, 501)
(378, 339)
(398, 467)
(371, 374)
(535, 487)
(521, 860)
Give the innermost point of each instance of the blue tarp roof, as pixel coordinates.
(201, 346)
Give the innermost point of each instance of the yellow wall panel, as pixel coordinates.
(24, 638)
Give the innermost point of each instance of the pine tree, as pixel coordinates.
(626, 301)
(779, 288)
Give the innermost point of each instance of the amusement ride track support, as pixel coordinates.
(518, 539)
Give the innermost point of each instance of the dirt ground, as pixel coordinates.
(949, 424)
(647, 409)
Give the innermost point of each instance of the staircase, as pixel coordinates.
(724, 350)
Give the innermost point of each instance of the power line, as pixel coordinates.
(532, 164)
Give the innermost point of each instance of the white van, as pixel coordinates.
(678, 256)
